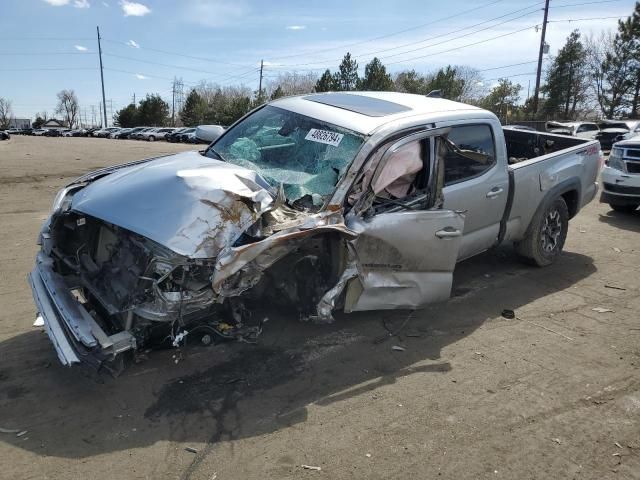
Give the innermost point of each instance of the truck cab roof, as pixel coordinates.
(364, 112)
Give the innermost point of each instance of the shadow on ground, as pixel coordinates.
(626, 221)
(237, 390)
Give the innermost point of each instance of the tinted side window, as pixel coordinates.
(472, 153)
(587, 127)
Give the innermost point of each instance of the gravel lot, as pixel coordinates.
(554, 393)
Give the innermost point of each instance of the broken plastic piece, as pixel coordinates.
(602, 310)
(311, 467)
(9, 430)
(398, 349)
(179, 338)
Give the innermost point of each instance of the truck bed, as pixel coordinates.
(544, 163)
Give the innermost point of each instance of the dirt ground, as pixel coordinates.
(554, 393)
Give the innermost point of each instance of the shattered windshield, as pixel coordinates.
(305, 155)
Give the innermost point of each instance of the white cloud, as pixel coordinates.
(81, 3)
(214, 15)
(296, 27)
(105, 4)
(134, 9)
(141, 77)
(133, 43)
(57, 3)
(81, 48)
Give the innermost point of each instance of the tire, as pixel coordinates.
(546, 234)
(623, 208)
(151, 138)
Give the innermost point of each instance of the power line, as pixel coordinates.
(45, 69)
(342, 47)
(437, 36)
(20, 54)
(204, 59)
(585, 3)
(180, 67)
(586, 19)
(461, 46)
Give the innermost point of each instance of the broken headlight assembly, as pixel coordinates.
(62, 200)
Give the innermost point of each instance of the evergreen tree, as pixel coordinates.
(411, 82)
(153, 111)
(346, 78)
(127, 117)
(325, 83)
(566, 82)
(277, 93)
(194, 111)
(375, 77)
(502, 98)
(448, 81)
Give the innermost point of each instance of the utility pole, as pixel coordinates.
(104, 103)
(173, 102)
(544, 31)
(134, 99)
(261, 68)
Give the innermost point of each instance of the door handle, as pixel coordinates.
(494, 192)
(448, 232)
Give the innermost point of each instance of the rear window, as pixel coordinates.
(471, 152)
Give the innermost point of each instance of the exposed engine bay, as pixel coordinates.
(131, 285)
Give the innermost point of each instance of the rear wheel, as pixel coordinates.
(151, 138)
(546, 235)
(623, 208)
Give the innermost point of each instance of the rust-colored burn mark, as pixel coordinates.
(227, 214)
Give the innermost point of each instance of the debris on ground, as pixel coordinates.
(39, 322)
(613, 287)
(179, 338)
(617, 444)
(368, 455)
(311, 467)
(602, 310)
(557, 440)
(191, 450)
(23, 432)
(9, 430)
(508, 313)
(397, 348)
(617, 250)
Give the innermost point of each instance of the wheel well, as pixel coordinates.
(571, 199)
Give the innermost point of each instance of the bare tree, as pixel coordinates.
(5, 112)
(292, 83)
(609, 73)
(68, 106)
(474, 87)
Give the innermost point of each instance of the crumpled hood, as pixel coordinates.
(192, 204)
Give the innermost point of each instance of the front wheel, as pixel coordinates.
(152, 138)
(546, 235)
(623, 208)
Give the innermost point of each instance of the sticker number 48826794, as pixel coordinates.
(324, 136)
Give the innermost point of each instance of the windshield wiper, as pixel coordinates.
(217, 154)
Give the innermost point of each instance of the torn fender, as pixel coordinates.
(247, 262)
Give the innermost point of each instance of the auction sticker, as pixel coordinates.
(324, 136)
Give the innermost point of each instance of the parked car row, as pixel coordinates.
(201, 134)
(607, 132)
(152, 134)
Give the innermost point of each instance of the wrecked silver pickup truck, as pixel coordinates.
(352, 201)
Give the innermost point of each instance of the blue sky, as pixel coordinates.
(49, 45)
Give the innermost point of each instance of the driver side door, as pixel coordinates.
(405, 256)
